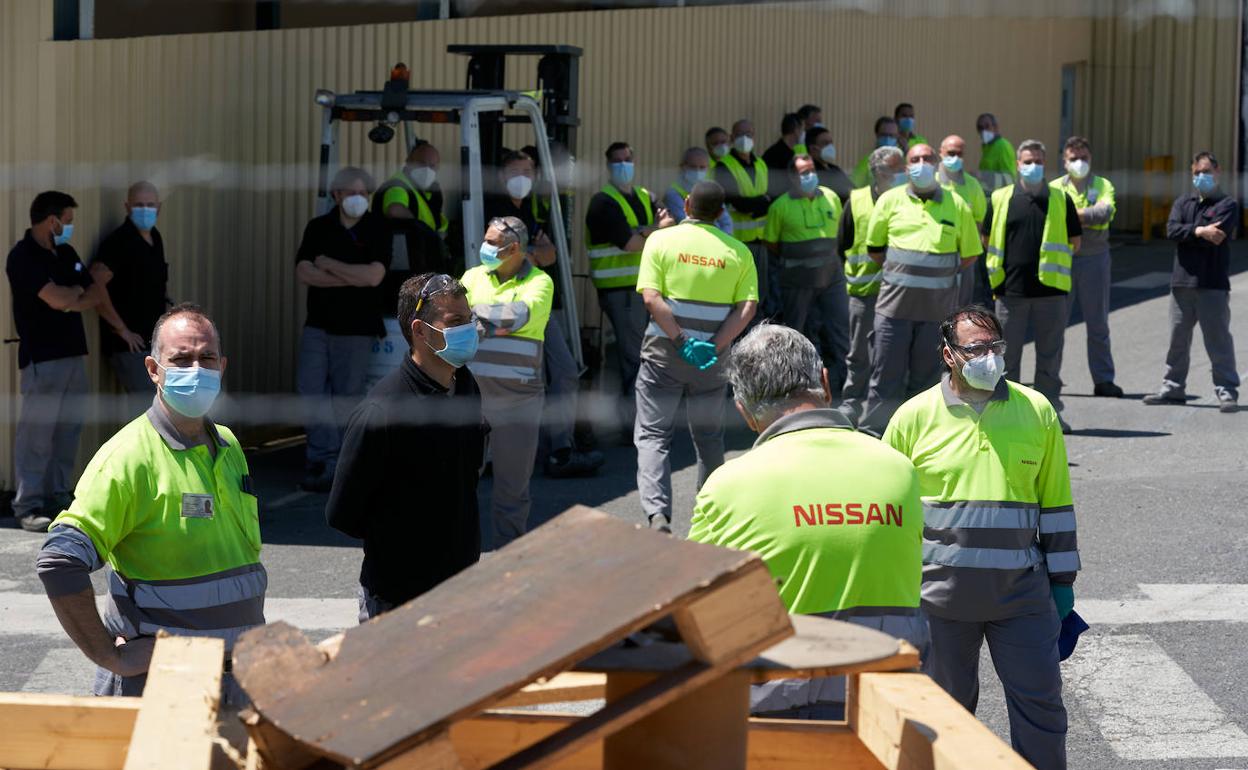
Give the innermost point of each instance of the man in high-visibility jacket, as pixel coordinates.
(1093, 198)
(996, 161)
(920, 234)
(1000, 548)
(168, 504)
(701, 290)
(907, 137)
(1033, 229)
(801, 234)
(746, 182)
(834, 514)
(953, 176)
(511, 300)
(862, 274)
(620, 218)
(411, 202)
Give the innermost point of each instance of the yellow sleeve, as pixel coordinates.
(103, 508)
(538, 294)
(775, 221)
(877, 227)
(747, 282)
(397, 195)
(650, 274)
(969, 244)
(979, 201)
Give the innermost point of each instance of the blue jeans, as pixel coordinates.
(330, 379)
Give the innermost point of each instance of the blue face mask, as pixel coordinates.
(906, 124)
(67, 232)
(621, 173)
(143, 217)
(489, 256)
(460, 343)
(952, 162)
(809, 182)
(900, 178)
(923, 175)
(190, 390)
(1204, 183)
(887, 140)
(1031, 173)
(692, 176)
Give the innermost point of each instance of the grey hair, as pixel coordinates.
(1034, 145)
(348, 175)
(880, 157)
(772, 367)
(694, 151)
(513, 231)
(184, 309)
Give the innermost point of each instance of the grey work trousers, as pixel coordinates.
(762, 258)
(131, 373)
(48, 426)
(1046, 317)
(1090, 278)
(371, 605)
(562, 387)
(660, 388)
(513, 410)
(1024, 653)
(1212, 310)
(330, 378)
(966, 284)
(823, 316)
(905, 360)
(858, 362)
(629, 317)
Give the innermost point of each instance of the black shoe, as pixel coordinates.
(573, 464)
(34, 522)
(59, 502)
(1107, 389)
(1064, 425)
(317, 480)
(1165, 397)
(1227, 406)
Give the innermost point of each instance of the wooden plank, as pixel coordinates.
(62, 732)
(491, 737)
(177, 718)
(275, 748)
(490, 630)
(436, 753)
(567, 686)
(909, 723)
(718, 624)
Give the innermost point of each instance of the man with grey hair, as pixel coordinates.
(511, 300)
(835, 515)
(1033, 230)
(342, 259)
(695, 167)
(862, 274)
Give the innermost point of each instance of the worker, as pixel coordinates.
(412, 204)
(862, 274)
(801, 234)
(50, 290)
(1201, 224)
(921, 234)
(906, 135)
(1000, 548)
(695, 167)
(413, 192)
(811, 116)
(511, 300)
(1093, 197)
(516, 198)
(168, 503)
(953, 176)
(430, 404)
(834, 515)
(744, 177)
(886, 135)
(819, 140)
(997, 156)
(1032, 231)
(701, 290)
(718, 144)
(342, 259)
(620, 218)
(778, 155)
(130, 263)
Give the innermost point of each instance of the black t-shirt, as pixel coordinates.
(355, 310)
(139, 286)
(46, 334)
(778, 155)
(501, 206)
(1024, 232)
(835, 179)
(605, 220)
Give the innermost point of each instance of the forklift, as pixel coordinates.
(480, 110)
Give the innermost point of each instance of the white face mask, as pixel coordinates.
(987, 136)
(519, 186)
(828, 153)
(743, 143)
(1078, 169)
(423, 177)
(983, 373)
(354, 206)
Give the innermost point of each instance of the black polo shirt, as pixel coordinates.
(835, 179)
(346, 310)
(778, 155)
(501, 206)
(1024, 232)
(46, 334)
(139, 286)
(605, 222)
(1198, 264)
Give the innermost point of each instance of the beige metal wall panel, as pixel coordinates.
(225, 124)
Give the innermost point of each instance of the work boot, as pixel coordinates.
(1165, 397)
(34, 522)
(317, 479)
(1227, 405)
(1061, 421)
(569, 463)
(1107, 389)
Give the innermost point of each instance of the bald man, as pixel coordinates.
(953, 177)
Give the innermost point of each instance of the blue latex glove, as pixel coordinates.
(1064, 598)
(700, 354)
(686, 351)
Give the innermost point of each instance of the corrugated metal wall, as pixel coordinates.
(225, 123)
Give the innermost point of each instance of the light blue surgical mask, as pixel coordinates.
(460, 343)
(143, 217)
(923, 175)
(905, 124)
(489, 256)
(952, 162)
(190, 390)
(691, 176)
(900, 178)
(809, 182)
(67, 232)
(622, 172)
(886, 140)
(1031, 173)
(1203, 182)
